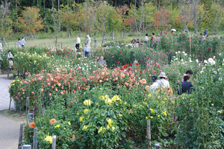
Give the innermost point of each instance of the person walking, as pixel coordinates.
(86, 50)
(187, 86)
(188, 73)
(88, 41)
(206, 31)
(155, 85)
(78, 42)
(19, 43)
(163, 81)
(146, 38)
(23, 42)
(10, 58)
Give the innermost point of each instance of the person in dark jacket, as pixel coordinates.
(187, 86)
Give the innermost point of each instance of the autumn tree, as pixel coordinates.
(108, 19)
(5, 21)
(150, 10)
(162, 19)
(89, 9)
(30, 22)
(70, 19)
(126, 18)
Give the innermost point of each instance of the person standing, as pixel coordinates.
(10, 58)
(188, 73)
(187, 85)
(19, 43)
(23, 42)
(163, 81)
(206, 31)
(155, 85)
(78, 41)
(146, 38)
(88, 41)
(153, 37)
(86, 50)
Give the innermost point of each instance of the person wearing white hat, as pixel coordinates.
(163, 81)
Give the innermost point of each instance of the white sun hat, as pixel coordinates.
(174, 30)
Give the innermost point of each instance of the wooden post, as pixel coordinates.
(26, 146)
(35, 139)
(20, 134)
(10, 102)
(61, 45)
(148, 134)
(8, 72)
(27, 104)
(30, 117)
(54, 142)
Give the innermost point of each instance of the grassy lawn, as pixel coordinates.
(48, 40)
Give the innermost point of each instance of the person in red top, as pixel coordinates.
(153, 36)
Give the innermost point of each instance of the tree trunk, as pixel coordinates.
(3, 40)
(195, 17)
(112, 35)
(103, 41)
(16, 28)
(58, 4)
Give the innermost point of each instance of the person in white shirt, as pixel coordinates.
(155, 85)
(88, 40)
(163, 81)
(78, 41)
(146, 38)
(23, 42)
(19, 43)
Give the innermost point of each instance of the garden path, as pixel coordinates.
(9, 129)
(9, 133)
(4, 93)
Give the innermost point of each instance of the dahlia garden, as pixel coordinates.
(88, 106)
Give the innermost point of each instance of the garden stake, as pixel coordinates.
(26, 146)
(148, 134)
(35, 142)
(54, 142)
(20, 134)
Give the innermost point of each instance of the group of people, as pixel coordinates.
(87, 47)
(21, 42)
(153, 38)
(186, 86)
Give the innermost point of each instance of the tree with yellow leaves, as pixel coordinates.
(30, 22)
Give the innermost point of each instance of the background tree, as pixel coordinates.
(186, 13)
(30, 22)
(57, 24)
(69, 18)
(126, 18)
(5, 21)
(216, 16)
(139, 16)
(162, 19)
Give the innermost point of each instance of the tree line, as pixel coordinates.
(92, 16)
